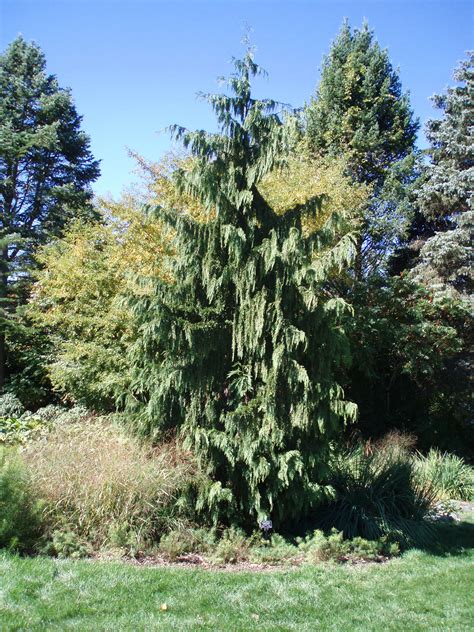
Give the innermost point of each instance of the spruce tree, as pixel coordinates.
(238, 354)
(360, 111)
(445, 193)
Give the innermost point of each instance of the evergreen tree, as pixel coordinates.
(359, 110)
(239, 352)
(46, 168)
(445, 194)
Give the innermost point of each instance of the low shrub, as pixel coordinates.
(275, 550)
(449, 476)
(185, 541)
(20, 431)
(105, 487)
(320, 548)
(30, 426)
(10, 406)
(75, 414)
(233, 546)
(64, 543)
(20, 525)
(48, 413)
(376, 493)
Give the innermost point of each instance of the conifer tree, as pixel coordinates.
(360, 110)
(239, 353)
(445, 194)
(46, 169)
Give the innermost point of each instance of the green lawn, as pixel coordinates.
(419, 591)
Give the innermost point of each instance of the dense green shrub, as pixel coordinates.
(449, 476)
(19, 511)
(407, 370)
(105, 487)
(377, 494)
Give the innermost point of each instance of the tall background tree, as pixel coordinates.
(445, 194)
(360, 111)
(404, 345)
(46, 169)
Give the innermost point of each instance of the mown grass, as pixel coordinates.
(422, 590)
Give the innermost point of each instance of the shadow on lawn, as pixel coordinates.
(450, 538)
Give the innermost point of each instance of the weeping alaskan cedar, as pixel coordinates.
(239, 353)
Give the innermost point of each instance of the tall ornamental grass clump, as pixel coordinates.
(450, 477)
(20, 524)
(105, 488)
(377, 493)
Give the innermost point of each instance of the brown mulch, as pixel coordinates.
(193, 561)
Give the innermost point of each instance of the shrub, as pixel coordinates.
(64, 543)
(19, 512)
(376, 494)
(320, 548)
(233, 546)
(276, 549)
(186, 540)
(71, 415)
(10, 406)
(20, 431)
(105, 487)
(49, 413)
(450, 477)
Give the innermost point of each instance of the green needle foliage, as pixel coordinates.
(239, 352)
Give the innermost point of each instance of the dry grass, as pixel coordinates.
(106, 486)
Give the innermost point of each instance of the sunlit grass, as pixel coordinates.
(419, 591)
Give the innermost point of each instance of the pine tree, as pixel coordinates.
(445, 195)
(46, 169)
(239, 352)
(360, 111)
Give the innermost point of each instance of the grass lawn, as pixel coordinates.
(422, 590)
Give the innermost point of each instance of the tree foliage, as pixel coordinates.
(77, 298)
(407, 371)
(360, 111)
(239, 353)
(81, 320)
(445, 194)
(359, 107)
(46, 168)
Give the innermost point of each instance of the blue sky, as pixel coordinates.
(134, 66)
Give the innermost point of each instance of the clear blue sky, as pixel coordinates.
(134, 66)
